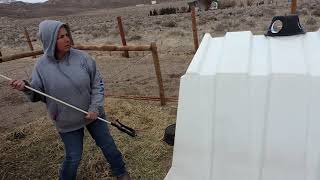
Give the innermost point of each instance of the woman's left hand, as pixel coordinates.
(92, 116)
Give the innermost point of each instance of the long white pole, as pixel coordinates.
(58, 100)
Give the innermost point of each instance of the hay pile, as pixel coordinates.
(34, 151)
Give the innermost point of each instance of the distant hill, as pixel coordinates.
(96, 3)
(13, 8)
(7, 1)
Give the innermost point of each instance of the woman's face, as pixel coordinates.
(63, 41)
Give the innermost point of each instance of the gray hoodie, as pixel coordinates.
(74, 79)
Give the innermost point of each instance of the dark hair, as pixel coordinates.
(65, 26)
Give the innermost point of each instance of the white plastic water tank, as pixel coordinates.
(249, 109)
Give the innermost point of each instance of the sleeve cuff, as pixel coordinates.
(93, 109)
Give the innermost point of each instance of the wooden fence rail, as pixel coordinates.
(21, 55)
(114, 48)
(81, 47)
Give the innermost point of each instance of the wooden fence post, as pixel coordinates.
(122, 35)
(158, 72)
(194, 29)
(26, 34)
(293, 6)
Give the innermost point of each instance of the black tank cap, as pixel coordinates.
(290, 25)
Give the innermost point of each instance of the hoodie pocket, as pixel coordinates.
(69, 118)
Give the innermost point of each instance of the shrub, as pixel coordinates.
(155, 13)
(313, 28)
(269, 11)
(157, 22)
(304, 11)
(227, 4)
(249, 2)
(168, 10)
(135, 38)
(311, 21)
(316, 12)
(96, 33)
(184, 9)
(202, 21)
(169, 24)
(250, 22)
(176, 33)
(105, 28)
(222, 26)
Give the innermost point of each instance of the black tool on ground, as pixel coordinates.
(131, 132)
(169, 134)
(290, 25)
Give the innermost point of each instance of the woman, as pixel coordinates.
(72, 76)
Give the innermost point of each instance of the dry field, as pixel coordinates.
(30, 147)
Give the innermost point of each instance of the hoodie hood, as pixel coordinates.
(48, 33)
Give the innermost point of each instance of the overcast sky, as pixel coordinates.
(33, 1)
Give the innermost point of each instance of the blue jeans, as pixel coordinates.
(73, 146)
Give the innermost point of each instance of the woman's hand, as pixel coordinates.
(17, 84)
(92, 116)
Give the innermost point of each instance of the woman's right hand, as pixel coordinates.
(18, 84)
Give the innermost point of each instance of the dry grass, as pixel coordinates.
(34, 151)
